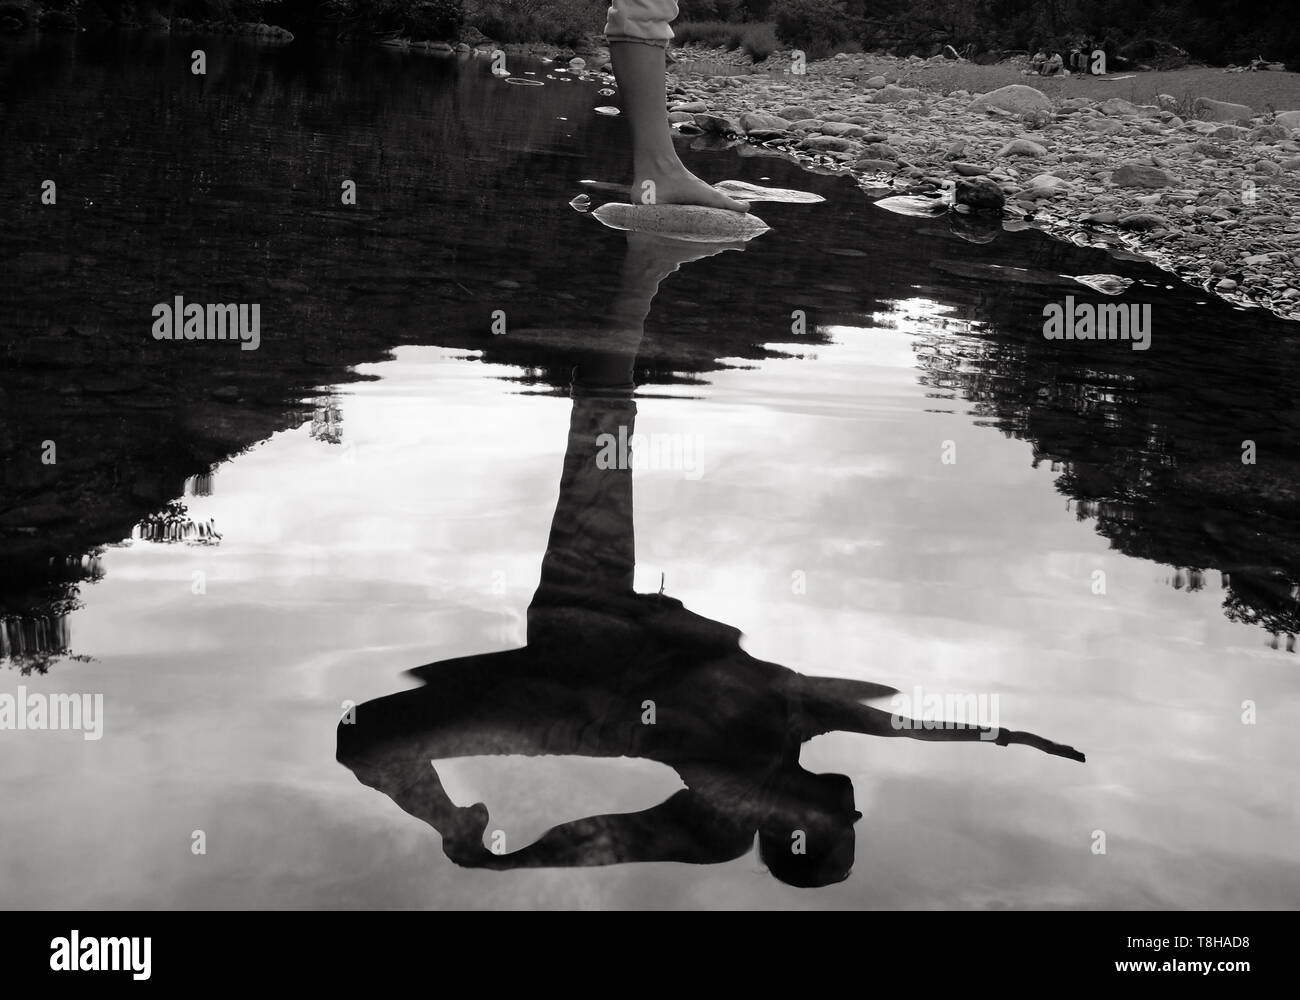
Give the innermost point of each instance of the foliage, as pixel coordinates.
(419, 20)
(758, 39)
(559, 22)
(1213, 31)
(436, 19)
(818, 27)
(722, 34)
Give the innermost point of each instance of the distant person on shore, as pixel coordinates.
(1085, 55)
(1055, 65)
(1077, 58)
(1037, 62)
(638, 35)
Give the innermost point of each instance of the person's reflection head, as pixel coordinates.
(808, 841)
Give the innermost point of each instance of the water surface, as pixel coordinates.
(384, 473)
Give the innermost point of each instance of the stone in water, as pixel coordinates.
(695, 223)
(742, 191)
(908, 204)
(1107, 284)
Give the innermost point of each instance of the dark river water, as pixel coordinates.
(860, 460)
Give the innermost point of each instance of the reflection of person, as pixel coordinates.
(609, 672)
(638, 34)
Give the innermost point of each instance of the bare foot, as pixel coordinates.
(673, 184)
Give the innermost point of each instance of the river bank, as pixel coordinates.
(1207, 189)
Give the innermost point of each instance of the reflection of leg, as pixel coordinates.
(649, 260)
(591, 551)
(685, 828)
(658, 174)
(590, 555)
(609, 363)
(411, 781)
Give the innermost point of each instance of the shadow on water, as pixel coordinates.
(227, 189)
(608, 672)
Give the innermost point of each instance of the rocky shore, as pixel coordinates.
(1206, 189)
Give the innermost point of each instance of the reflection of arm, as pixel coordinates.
(852, 717)
(678, 829)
